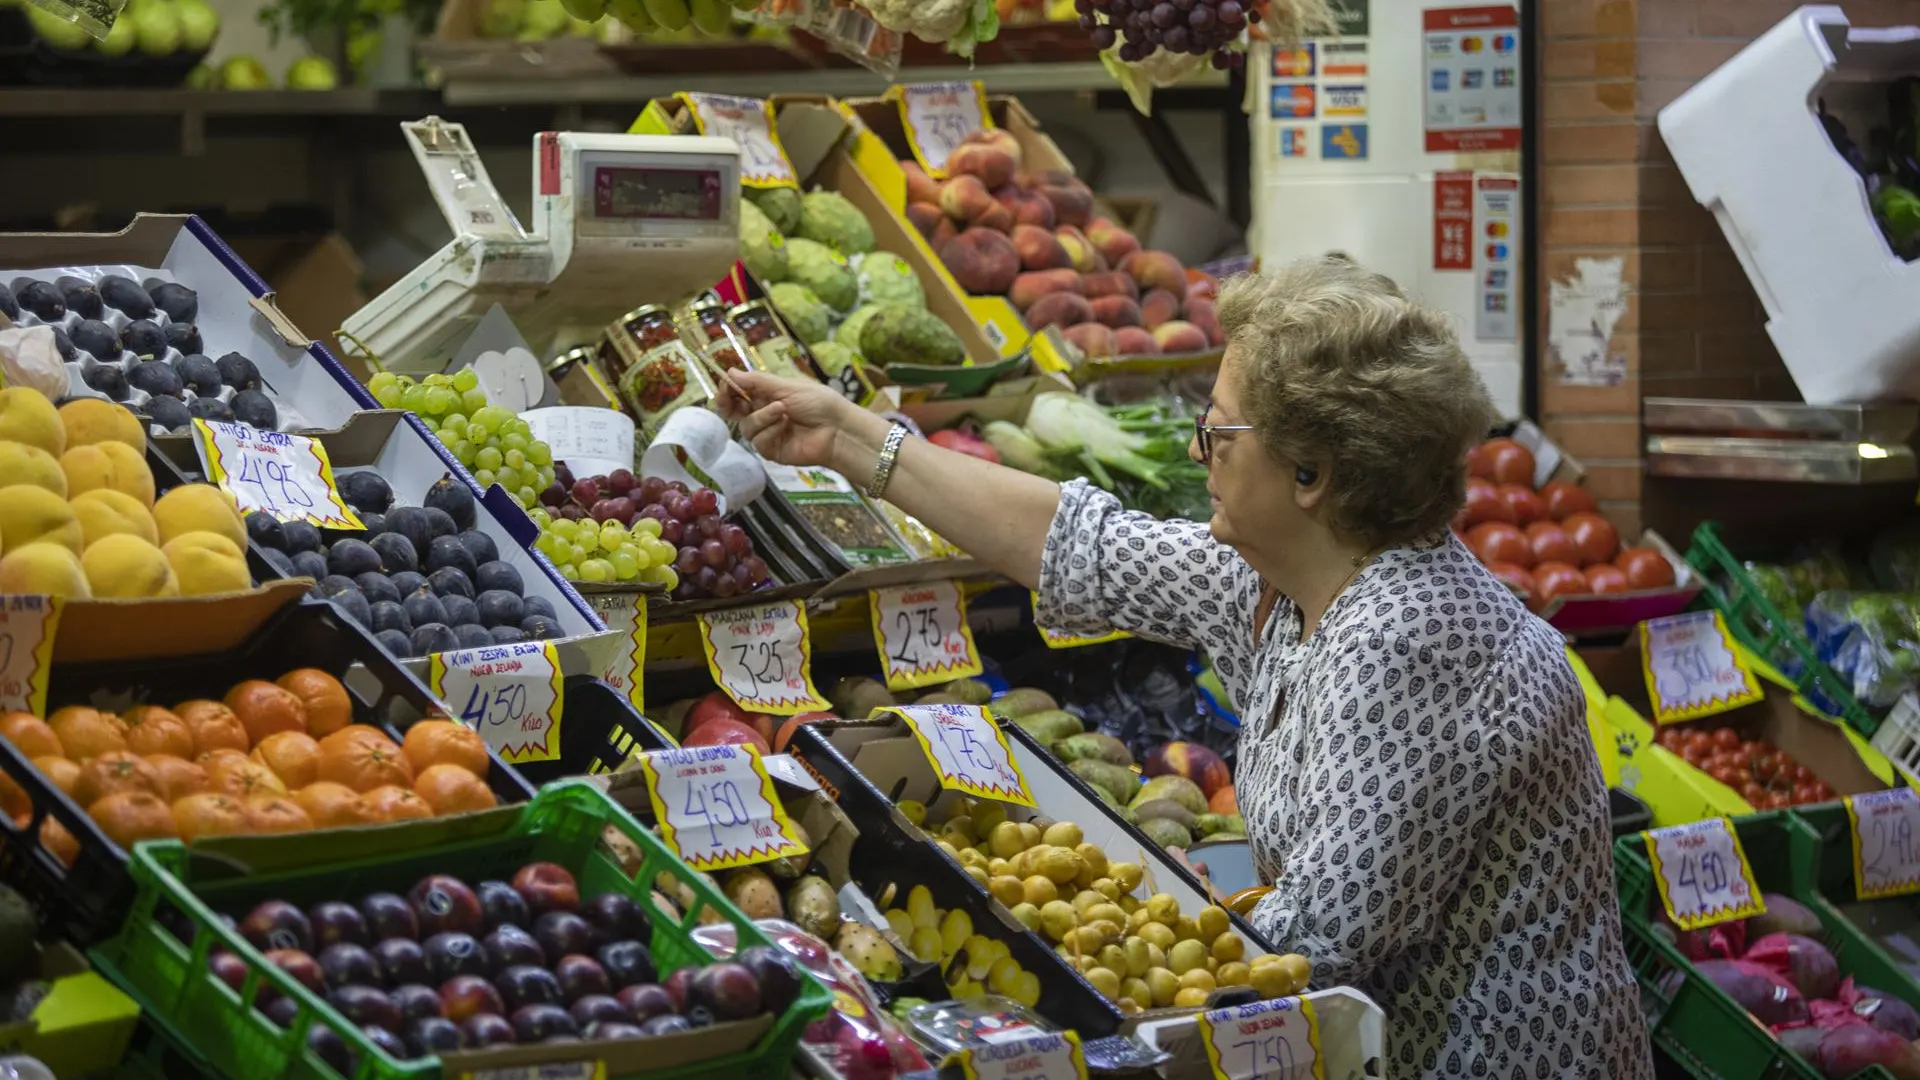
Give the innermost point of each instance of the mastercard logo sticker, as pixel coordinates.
(1470, 45)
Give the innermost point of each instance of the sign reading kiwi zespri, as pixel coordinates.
(284, 476)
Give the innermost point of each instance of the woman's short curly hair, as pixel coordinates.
(1343, 371)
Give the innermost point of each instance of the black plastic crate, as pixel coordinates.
(599, 731)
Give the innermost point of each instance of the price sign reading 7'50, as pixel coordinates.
(1265, 1040)
(967, 751)
(759, 657)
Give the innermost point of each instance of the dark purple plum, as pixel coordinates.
(388, 1042)
(367, 1007)
(509, 945)
(665, 1024)
(454, 953)
(389, 915)
(525, 984)
(276, 924)
(727, 990)
(330, 1048)
(679, 987)
(304, 969)
(335, 922)
(465, 996)
(402, 960)
(547, 887)
(540, 1023)
(645, 1001)
(445, 905)
(591, 1007)
(228, 968)
(618, 917)
(561, 933)
(417, 1001)
(612, 1029)
(779, 977)
(345, 964)
(627, 963)
(487, 1029)
(282, 1011)
(581, 976)
(432, 1035)
(501, 905)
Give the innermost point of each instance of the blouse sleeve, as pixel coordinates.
(1108, 568)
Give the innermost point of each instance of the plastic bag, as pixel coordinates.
(1140, 692)
(1871, 639)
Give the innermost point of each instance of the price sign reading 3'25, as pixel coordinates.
(510, 694)
(27, 626)
(1054, 1056)
(285, 476)
(939, 117)
(1702, 873)
(922, 634)
(1886, 842)
(759, 656)
(717, 807)
(967, 750)
(1692, 669)
(749, 123)
(1264, 1040)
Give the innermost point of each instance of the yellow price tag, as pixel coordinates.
(1053, 1056)
(1886, 842)
(27, 627)
(625, 613)
(511, 694)
(1263, 1040)
(1064, 639)
(1702, 874)
(968, 751)
(938, 117)
(922, 634)
(1692, 667)
(286, 476)
(717, 807)
(749, 123)
(760, 657)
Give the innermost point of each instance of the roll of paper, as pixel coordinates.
(700, 437)
(592, 442)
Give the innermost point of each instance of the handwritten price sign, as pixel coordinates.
(748, 122)
(1692, 669)
(967, 751)
(1065, 639)
(1265, 1040)
(938, 117)
(759, 656)
(27, 626)
(922, 634)
(1702, 874)
(1055, 1056)
(716, 806)
(287, 476)
(625, 613)
(511, 694)
(1886, 842)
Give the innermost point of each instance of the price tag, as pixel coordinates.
(716, 806)
(938, 117)
(625, 613)
(1886, 842)
(760, 656)
(922, 634)
(1702, 874)
(1264, 1040)
(1692, 667)
(511, 694)
(27, 626)
(1054, 1056)
(287, 476)
(967, 750)
(1064, 639)
(748, 122)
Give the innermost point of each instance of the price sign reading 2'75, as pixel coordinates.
(1264, 1040)
(1702, 874)
(1886, 842)
(510, 694)
(922, 634)
(967, 751)
(716, 806)
(759, 657)
(285, 476)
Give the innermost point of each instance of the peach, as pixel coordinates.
(1157, 270)
(1080, 251)
(1059, 309)
(964, 198)
(1028, 208)
(1133, 341)
(1111, 283)
(1072, 201)
(1180, 337)
(924, 216)
(996, 217)
(1113, 241)
(981, 261)
(1090, 338)
(1200, 313)
(920, 187)
(943, 231)
(1029, 288)
(991, 164)
(1204, 287)
(1001, 138)
(1158, 306)
(1038, 249)
(1117, 311)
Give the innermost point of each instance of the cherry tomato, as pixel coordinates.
(1803, 775)
(1594, 537)
(1606, 578)
(1824, 791)
(1805, 793)
(1701, 739)
(1564, 498)
(1766, 766)
(1550, 544)
(1672, 739)
(1485, 504)
(1645, 567)
(1515, 577)
(1754, 794)
(1726, 774)
(1558, 579)
(1498, 542)
(1695, 756)
(1525, 505)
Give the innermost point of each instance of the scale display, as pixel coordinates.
(654, 193)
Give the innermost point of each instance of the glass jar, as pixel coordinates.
(662, 382)
(632, 336)
(704, 321)
(776, 351)
(563, 365)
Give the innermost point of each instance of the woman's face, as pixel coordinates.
(1253, 494)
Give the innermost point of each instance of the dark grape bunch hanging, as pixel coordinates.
(1194, 27)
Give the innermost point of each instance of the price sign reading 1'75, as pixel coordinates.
(922, 634)
(27, 626)
(717, 807)
(510, 694)
(938, 117)
(967, 750)
(1886, 842)
(285, 476)
(1264, 1040)
(759, 657)
(1702, 874)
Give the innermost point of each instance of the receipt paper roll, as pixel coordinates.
(736, 473)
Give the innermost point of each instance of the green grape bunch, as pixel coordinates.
(489, 441)
(606, 552)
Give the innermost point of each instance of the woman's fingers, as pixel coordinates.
(762, 418)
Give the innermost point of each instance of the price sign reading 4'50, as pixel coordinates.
(967, 751)
(1054, 1056)
(27, 626)
(759, 656)
(938, 117)
(510, 694)
(922, 634)
(1264, 1040)
(1702, 873)
(1692, 668)
(1886, 842)
(285, 476)
(717, 807)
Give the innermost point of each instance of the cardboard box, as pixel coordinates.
(82, 1026)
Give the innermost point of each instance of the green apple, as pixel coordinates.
(157, 26)
(588, 10)
(502, 19)
(199, 24)
(244, 73)
(541, 20)
(121, 37)
(633, 13)
(312, 73)
(56, 31)
(202, 77)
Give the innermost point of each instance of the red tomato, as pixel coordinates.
(1558, 579)
(1803, 775)
(1507, 462)
(1514, 577)
(1701, 738)
(1526, 506)
(1498, 542)
(1606, 578)
(1485, 504)
(1564, 498)
(1754, 794)
(1479, 465)
(1645, 568)
(1726, 738)
(1593, 536)
(1726, 774)
(1823, 790)
(1550, 543)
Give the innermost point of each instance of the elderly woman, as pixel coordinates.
(1415, 769)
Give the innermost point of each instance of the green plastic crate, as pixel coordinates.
(1692, 1020)
(1834, 883)
(1769, 633)
(171, 979)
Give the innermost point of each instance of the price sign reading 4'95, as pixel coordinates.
(285, 476)
(1702, 873)
(27, 626)
(510, 694)
(758, 655)
(716, 806)
(1886, 842)
(967, 751)
(922, 634)
(1264, 1040)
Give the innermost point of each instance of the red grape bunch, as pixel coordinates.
(619, 528)
(1194, 27)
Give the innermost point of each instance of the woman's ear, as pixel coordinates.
(1309, 486)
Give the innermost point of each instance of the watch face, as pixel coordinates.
(657, 193)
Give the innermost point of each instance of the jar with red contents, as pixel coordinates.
(633, 336)
(775, 349)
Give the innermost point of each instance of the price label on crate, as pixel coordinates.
(285, 476)
(1054, 1056)
(716, 806)
(938, 117)
(1702, 874)
(968, 751)
(759, 655)
(1692, 667)
(27, 625)
(1886, 842)
(1264, 1040)
(749, 123)
(510, 694)
(922, 634)
(1066, 639)
(625, 614)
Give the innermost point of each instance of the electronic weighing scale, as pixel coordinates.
(618, 221)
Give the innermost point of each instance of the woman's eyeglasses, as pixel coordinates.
(1204, 432)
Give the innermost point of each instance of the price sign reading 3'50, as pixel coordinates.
(510, 694)
(1692, 669)
(27, 626)
(1886, 842)
(1264, 1040)
(939, 117)
(717, 807)
(758, 655)
(922, 634)
(1702, 873)
(285, 476)
(967, 751)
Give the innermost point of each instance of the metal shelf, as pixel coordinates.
(1778, 460)
(121, 101)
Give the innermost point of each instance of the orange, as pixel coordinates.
(178, 777)
(395, 803)
(333, 805)
(277, 814)
(154, 730)
(214, 726)
(14, 801)
(1224, 801)
(210, 814)
(356, 733)
(244, 778)
(59, 842)
(64, 772)
(265, 709)
(31, 735)
(292, 755)
(450, 789)
(443, 742)
(128, 817)
(363, 762)
(108, 774)
(328, 707)
(88, 732)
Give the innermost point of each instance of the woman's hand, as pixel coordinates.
(1199, 869)
(799, 422)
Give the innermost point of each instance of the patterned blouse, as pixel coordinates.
(1418, 785)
